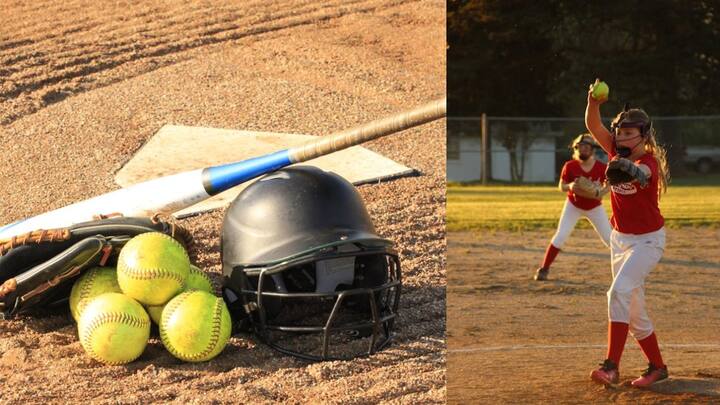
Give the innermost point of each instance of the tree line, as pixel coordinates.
(536, 58)
(512, 57)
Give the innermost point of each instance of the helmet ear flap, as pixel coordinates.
(647, 128)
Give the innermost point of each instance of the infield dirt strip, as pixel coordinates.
(84, 84)
(514, 340)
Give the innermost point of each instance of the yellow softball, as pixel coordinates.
(114, 328)
(93, 282)
(197, 280)
(195, 326)
(600, 90)
(152, 268)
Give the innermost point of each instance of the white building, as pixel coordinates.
(464, 161)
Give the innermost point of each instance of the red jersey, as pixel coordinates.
(635, 209)
(572, 170)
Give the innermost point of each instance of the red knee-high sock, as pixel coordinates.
(550, 255)
(617, 335)
(650, 347)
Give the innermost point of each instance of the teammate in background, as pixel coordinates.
(637, 241)
(580, 202)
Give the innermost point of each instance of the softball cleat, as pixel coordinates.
(541, 274)
(607, 374)
(650, 376)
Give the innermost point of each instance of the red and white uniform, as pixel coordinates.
(635, 209)
(577, 207)
(637, 243)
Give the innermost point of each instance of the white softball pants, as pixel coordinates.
(569, 218)
(633, 257)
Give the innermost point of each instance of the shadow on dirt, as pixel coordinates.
(689, 385)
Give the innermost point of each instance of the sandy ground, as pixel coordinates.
(515, 340)
(84, 84)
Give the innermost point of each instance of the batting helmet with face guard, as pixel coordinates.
(304, 268)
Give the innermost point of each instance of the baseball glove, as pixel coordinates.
(621, 170)
(37, 268)
(587, 186)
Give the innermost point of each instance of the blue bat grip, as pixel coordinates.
(217, 179)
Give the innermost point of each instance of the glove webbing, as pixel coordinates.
(63, 234)
(38, 236)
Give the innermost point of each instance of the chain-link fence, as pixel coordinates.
(534, 149)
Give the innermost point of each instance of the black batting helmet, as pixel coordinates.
(304, 268)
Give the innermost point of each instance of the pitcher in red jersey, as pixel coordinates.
(578, 204)
(637, 241)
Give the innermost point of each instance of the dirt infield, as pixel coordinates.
(84, 84)
(515, 340)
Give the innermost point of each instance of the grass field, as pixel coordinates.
(506, 207)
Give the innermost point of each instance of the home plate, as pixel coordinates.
(176, 148)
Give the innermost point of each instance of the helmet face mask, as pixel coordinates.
(290, 313)
(333, 299)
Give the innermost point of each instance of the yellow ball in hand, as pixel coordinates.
(600, 91)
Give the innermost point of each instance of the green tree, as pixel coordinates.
(494, 64)
(510, 57)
